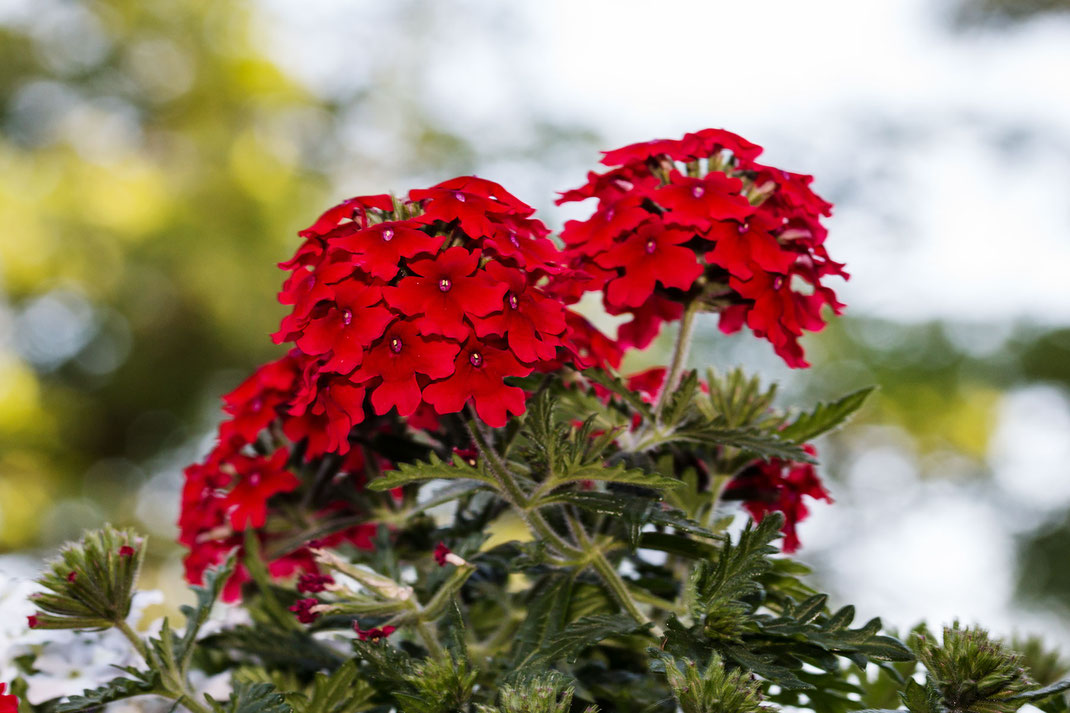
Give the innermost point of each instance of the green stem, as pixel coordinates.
(134, 639)
(515, 496)
(429, 639)
(619, 589)
(179, 689)
(259, 574)
(681, 349)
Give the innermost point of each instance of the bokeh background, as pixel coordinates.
(156, 159)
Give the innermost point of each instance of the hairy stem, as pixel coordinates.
(515, 496)
(133, 638)
(429, 639)
(620, 589)
(174, 679)
(681, 349)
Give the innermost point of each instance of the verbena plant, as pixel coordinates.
(446, 498)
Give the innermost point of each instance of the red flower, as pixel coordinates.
(588, 345)
(440, 553)
(475, 214)
(328, 406)
(597, 233)
(708, 142)
(780, 314)
(694, 202)
(71, 576)
(479, 373)
(469, 455)
(353, 209)
(396, 359)
(303, 608)
(313, 582)
(380, 247)
(347, 324)
(780, 486)
(741, 250)
(253, 405)
(648, 383)
(259, 479)
(756, 227)
(127, 551)
(8, 703)
(646, 321)
(651, 254)
(31, 621)
(530, 321)
(374, 635)
(445, 290)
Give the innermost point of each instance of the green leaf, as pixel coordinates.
(341, 691)
(115, 690)
(432, 469)
(735, 573)
(825, 417)
(618, 387)
(252, 698)
(206, 596)
(681, 399)
(736, 401)
(677, 545)
(581, 634)
(273, 648)
(644, 509)
(617, 474)
(547, 609)
(753, 440)
(1041, 693)
(921, 699)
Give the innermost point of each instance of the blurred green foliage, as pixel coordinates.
(154, 165)
(157, 162)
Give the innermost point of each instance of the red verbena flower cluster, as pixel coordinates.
(780, 486)
(414, 307)
(435, 300)
(403, 311)
(701, 219)
(230, 491)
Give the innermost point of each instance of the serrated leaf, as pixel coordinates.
(825, 417)
(340, 691)
(618, 387)
(1040, 693)
(432, 469)
(115, 690)
(581, 634)
(681, 399)
(547, 607)
(647, 510)
(761, 443)
(252, 698)
(735, 573)
(810, 609)
(618, 474)
(206, 596)
(677, 545)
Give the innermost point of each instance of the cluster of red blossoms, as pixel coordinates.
(415, 307)
(406, 310)
(700, 218)
(779, 486)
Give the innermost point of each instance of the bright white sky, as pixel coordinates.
(949, 154)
